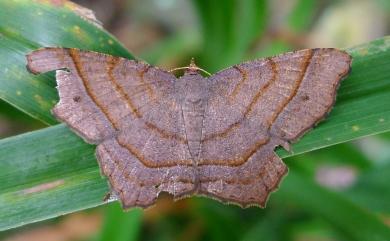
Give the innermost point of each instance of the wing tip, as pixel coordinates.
(32, 57)
(29, 65)
(46, 59)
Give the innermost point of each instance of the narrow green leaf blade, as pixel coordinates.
(302, 14)
(45, 175)
(119, 225)
(350, 219)
(229, 29)
(372, 189)
(26, 25)
(29, 161)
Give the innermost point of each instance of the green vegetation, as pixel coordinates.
(51, 172)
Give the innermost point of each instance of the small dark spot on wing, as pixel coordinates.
(77, 99)
(305, 97)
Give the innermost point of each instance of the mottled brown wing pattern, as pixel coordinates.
(129, 109)
(256, 106)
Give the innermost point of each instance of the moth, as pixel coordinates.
(213, 136)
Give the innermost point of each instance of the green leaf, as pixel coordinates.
(372, 189)
(51, 172)
(45, 175)
(302, 14)
(177, 46)
(56, 155)
(229, 29)
(26, 25)
(269, 226)
(274, 48)
(351, 220)
(218, 220)
(119, 225)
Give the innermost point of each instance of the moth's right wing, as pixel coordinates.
(256, 106)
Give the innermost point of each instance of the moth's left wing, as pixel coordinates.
(130, 109)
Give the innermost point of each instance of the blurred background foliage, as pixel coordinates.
(168, 33)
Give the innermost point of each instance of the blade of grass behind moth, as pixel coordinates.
(26, 25)
(119, 225)
(348, 218)
(38, 158)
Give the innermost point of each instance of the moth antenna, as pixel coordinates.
(192, 66)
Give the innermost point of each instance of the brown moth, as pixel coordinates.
(192, 135)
